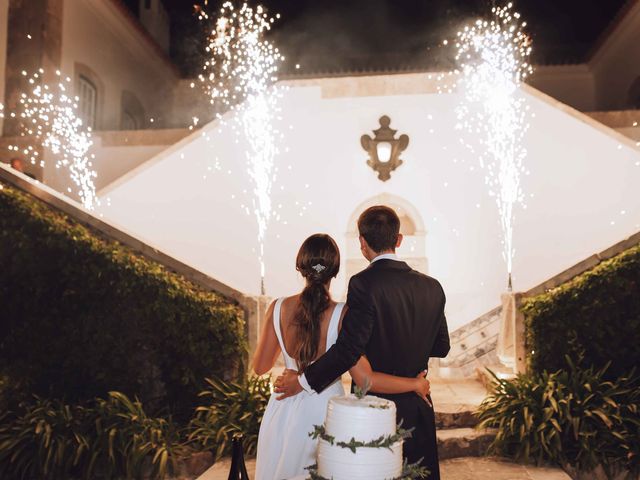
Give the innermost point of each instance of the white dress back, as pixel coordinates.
(284, 445)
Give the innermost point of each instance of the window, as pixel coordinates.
(132, 116)
(129, 121)
(88, 94)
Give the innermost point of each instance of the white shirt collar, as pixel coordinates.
(386, 256)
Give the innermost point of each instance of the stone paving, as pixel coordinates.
(459, 392)
(489, 468)
(486, 468)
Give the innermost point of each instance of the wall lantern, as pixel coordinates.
(384, 149)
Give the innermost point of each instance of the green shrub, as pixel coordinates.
(234, 407)
(82, 315)
(128, 443)
(116, 438)
(47, 440)
(112, 438)
(595, 316)
(573, 417)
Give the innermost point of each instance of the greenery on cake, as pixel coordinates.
(360, 393)
(384, 441)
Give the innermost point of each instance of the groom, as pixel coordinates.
(396, 318)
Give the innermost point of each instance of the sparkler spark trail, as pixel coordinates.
(50, 115)
(493, 58)
(240, 76)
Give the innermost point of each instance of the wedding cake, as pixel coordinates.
(360, 440)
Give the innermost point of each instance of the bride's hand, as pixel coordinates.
(422, 386)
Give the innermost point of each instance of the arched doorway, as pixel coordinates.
(413, 249)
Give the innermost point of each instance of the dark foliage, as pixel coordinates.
(112, 438)
(231, 408)
(116, 437)
(576, 418)
(81, 316)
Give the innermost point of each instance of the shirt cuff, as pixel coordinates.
(302, 379)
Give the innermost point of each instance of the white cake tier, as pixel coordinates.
(338, 463)
(367, 419)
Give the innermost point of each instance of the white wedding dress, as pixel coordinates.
(284, 445)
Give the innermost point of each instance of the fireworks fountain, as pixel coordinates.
(239, 76)
(50, 115)
(493, 58)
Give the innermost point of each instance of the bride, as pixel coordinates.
(303, 327)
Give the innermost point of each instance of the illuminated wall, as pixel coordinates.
(192, 200)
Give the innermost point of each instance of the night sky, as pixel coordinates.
(335, 35)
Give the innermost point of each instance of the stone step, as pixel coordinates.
(464, 442)
(455, 415)
(456, 401)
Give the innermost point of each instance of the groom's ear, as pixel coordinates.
(364, 247)
(399, 241)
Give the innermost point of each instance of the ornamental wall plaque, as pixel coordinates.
(384, 149)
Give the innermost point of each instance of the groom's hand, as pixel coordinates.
(423, 387)
(287, 384)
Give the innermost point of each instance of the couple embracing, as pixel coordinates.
(392, 323)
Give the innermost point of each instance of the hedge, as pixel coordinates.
(594, 318)
(82, 315)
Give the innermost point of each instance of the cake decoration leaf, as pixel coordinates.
(382, 442)
(360, 393)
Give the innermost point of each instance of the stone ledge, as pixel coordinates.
(128, 138)
(464, 442)
(584, 265)
(616, 118)
(455, 416)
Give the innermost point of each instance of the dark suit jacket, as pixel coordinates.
(396, 318)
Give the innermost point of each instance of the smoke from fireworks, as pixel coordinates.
(239, 76)
(49, 114)
(493, 58)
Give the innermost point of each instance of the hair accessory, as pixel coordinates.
(319, 268)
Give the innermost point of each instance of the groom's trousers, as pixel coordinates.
(416, 414)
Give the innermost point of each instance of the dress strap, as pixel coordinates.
(276, 324)
(334, 323)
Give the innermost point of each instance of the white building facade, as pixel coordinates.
(119, 68)
(194, 199)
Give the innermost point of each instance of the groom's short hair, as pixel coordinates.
(380, 226)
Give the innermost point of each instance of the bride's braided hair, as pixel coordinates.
(318, 261)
